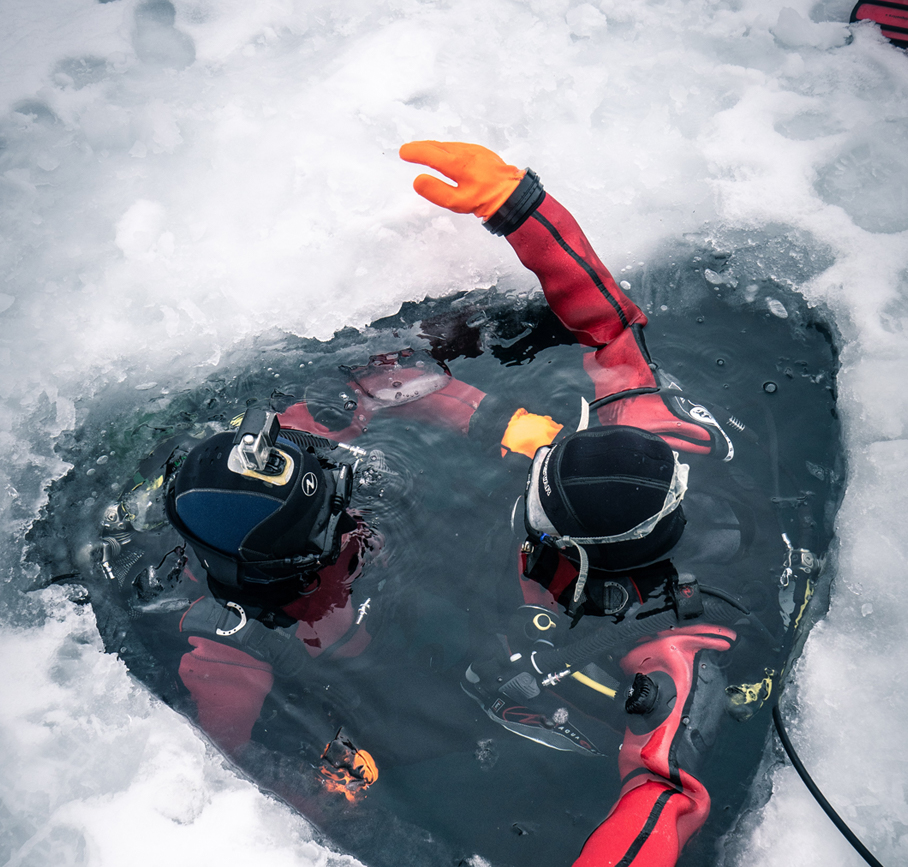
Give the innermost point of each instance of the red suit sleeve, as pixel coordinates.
(228, 687)
(577, 286)
(452, 407)
(583, 294)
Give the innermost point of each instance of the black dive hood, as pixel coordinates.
(262, 512)
(608, 497)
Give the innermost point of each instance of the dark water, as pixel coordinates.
(452, 783)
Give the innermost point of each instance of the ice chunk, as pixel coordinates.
(586, 20)
(156, 39)
(868, 179)
(140, 228)
(795, 31)
(776, 307)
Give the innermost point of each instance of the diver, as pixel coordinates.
(625, 616)
(274, 577)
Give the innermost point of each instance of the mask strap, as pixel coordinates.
(565, 542)
(584, 422)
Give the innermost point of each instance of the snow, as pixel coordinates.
(178, 176)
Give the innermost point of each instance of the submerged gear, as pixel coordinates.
(484, 180)
(346, 769)
(260, 509)
(514, 693)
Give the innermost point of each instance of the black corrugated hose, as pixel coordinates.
(847, 833)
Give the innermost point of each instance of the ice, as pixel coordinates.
(871, 161)
(793, 30)
(157, 40)
(777, 308)
(178, 177)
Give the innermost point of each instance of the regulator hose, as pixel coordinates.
(837, 820)
(612, 635)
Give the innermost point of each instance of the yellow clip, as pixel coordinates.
(549, 623)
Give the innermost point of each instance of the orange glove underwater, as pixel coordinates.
(527, 432)
(484, 180)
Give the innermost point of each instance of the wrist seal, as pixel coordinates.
(518, 207)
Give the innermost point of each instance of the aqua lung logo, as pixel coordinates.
(545, 475)
(702, 415)
(309, 484)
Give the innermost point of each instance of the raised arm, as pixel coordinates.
(578, 287)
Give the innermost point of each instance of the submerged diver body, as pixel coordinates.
(263, 618)
(626, 616)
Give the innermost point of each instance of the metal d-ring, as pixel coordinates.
(241, 624)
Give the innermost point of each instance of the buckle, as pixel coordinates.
(685, 594)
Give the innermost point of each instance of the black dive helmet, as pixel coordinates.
(609, 497)
(261, 511)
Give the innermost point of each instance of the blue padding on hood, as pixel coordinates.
(223, 519)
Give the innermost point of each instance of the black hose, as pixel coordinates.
(612, 635)
(753, 621)
(847, 833)
(727, 597)
(630, 392)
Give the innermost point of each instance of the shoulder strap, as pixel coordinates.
(238, 626)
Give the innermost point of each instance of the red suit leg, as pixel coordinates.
(662, 804)
(229, 688)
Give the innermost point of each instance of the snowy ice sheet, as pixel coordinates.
(176, 177)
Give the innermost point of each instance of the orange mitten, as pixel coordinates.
(527, 432)
(484, 180)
